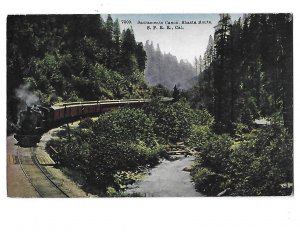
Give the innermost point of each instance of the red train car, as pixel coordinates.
(61, 113)
(72, 110)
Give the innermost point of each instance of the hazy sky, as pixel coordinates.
(184, 43)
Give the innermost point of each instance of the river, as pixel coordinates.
(167, 180)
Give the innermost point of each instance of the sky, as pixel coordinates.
(186, 43)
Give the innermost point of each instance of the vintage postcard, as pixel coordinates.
(149, 105)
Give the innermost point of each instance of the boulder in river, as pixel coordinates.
(187, 169)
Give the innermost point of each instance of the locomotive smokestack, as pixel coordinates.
(26, 96)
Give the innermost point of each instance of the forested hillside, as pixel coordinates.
(164, 69)
(248, 75)
(248, 71)
(52, 58)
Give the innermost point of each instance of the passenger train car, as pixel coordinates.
(38, 119)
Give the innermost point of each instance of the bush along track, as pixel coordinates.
(109, 152)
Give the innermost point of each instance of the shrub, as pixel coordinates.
(203, 118)
(214, 154)
(173, 122)
(199, 136)
(260, 165)
(210, 172)
(240, 130)
(125, 125)
(208, 182)
(86, 123)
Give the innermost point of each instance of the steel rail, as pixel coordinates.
(36, 163)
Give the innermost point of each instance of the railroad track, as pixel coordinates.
(37, 177)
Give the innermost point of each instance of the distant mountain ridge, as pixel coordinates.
(165, 69)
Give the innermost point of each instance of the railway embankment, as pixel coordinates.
(60, 177)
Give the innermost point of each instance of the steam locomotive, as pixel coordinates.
(36, 120)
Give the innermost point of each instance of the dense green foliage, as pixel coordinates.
(261, 164)
(130, 125)
(70, 58)
(246, 74)
(174, 122)
(122, 140)
(248, 71)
